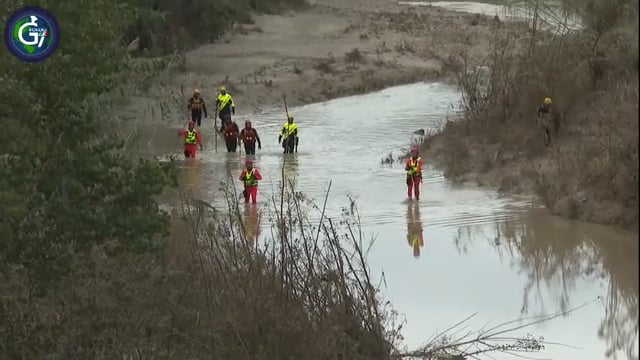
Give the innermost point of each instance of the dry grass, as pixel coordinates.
(590, 169)
(325, 65)
(307, 295)
(215, 293)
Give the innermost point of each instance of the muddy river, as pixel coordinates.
(500, 257)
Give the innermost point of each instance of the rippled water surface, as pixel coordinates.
(460, 250)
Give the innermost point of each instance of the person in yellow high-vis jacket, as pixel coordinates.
(289, 136)
(413, 167)
(250, 177)
(191, 139)
(225, 106)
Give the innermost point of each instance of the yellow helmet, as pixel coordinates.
(289, 117)
(222, 88)
(547, 101)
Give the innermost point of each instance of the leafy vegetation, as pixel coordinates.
(69, 183)
(70, 186)
(164, 26)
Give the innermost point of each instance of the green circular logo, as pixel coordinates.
(31, 34)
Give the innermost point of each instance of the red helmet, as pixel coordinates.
(192, 123)
(248, 161)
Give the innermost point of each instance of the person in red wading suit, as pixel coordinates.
(413, 166)
(250, 177)
(191, 140)
(231, 133)
(249, 136)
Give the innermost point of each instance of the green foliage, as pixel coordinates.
(164, 26)
(68, 183)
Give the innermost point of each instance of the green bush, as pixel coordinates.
(164, 26)
(67, 183)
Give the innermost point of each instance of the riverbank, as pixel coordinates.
(334, 49)
(589, 170)
(328, 50)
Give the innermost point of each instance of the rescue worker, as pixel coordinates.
(225, 106)
(545, 108)
(289, 136)
(197, 107)
(250, 177)
(231, 133)
(413, 166)
(249, 136)
(415, 236)
(191, 139)
(546, 119)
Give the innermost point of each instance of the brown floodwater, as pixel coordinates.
(461, 249)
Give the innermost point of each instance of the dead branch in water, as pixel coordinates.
(445, 345)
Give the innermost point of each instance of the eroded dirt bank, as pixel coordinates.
(329, 50)
(589, 169)
(340, 48)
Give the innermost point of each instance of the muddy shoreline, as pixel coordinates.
(324, 52)
(518, 178)
(333, 50)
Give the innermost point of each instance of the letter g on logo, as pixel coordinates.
(31, 34)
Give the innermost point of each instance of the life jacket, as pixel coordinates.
(190, 137)
(196, 103)
(229, 131)
(413, 167)
(223, 100)
(288, 129)
(249, 178)
(249, 135)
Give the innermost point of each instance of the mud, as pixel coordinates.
(459, 250)
(333, 49)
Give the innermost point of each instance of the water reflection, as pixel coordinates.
(557, 256)
(449, 207)
(251, 223)
(414, 228)
(290, 163)
(190, 177)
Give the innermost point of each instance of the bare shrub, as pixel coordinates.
(305, 293)
(355, 56)
(325, 65)
(593, 82)
(379, 62)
